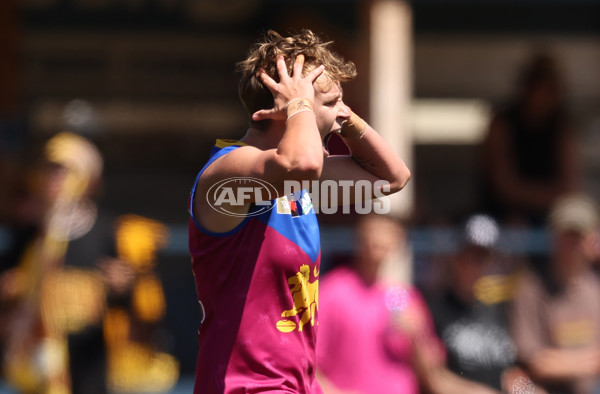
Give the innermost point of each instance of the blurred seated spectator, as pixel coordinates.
(375, 338)
(555, 322)
(470, 313)
(530, 153)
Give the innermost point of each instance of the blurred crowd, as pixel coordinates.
(82, 306)
(487, 315)
(497, 322)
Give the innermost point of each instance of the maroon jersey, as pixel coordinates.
(257, 287)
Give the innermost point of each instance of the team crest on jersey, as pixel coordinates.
(295, 205)
(305, 294)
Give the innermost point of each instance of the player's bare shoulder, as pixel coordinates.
(218, 204)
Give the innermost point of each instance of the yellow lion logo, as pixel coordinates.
(306, 300)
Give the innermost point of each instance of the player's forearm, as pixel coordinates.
(300, 151)
(375, 155)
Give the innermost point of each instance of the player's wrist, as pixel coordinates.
(353, 128)
(297, 105)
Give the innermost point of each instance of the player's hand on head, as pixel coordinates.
(288, 87)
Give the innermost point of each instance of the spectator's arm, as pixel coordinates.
(564, 364)
(439, 380)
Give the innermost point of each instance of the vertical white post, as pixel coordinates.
(390, 98)
(391, 84)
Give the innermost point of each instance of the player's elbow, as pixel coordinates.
(307, 170)
(399, 179)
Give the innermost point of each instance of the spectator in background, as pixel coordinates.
(530, 150)
(63, 277)
(470, 313)
(78, 289)
(375, 338)
(556, 318)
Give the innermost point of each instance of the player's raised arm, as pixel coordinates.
(372, 159)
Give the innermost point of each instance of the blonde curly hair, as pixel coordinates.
(262, 56)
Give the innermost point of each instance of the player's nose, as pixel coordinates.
(344, 111)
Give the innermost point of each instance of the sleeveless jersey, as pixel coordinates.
(257, 287)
